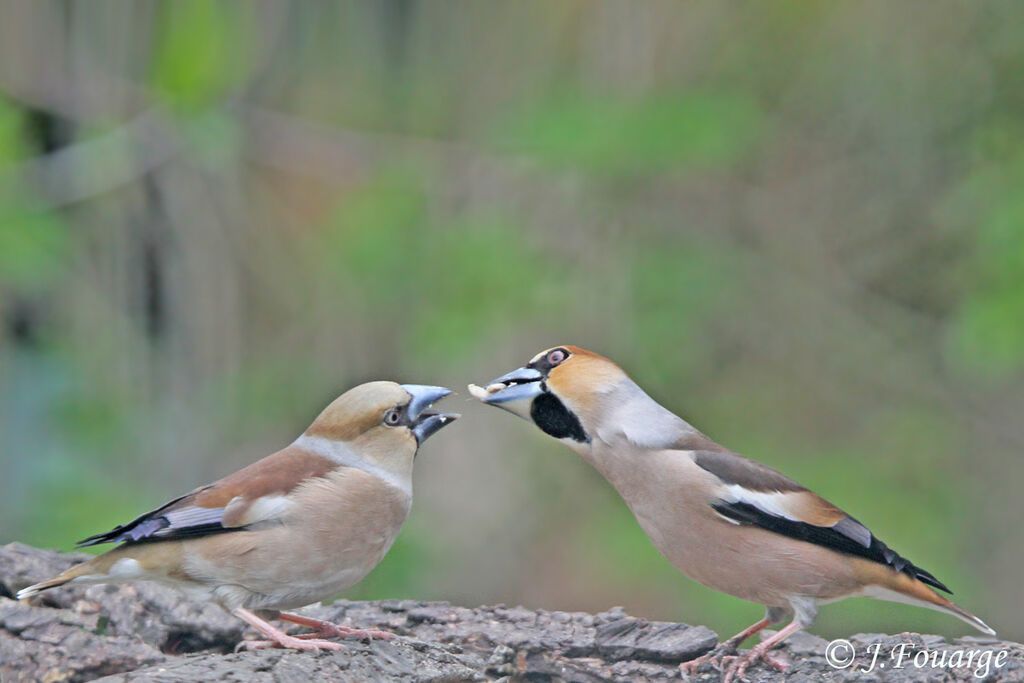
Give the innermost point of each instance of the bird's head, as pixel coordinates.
(383, 422)
(564, 390)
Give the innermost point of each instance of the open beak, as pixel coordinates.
(514, 391)
(424, 420)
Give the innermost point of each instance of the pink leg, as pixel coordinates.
(738, 668)
(729, 646)
(328, 630)
(278, 638)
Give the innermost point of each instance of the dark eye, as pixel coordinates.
(392, 417)
(557, 356)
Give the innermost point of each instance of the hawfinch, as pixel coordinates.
(730, 523)
(291, 529)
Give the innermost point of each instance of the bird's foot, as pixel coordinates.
(738, 665)
(291, 642)
(328, 629)
(337, 631)
(715, 658)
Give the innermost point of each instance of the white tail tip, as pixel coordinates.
(29, 592)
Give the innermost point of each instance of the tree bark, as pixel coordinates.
(145, 631)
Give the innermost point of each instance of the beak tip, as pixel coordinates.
(423, 396)
(431, 425)
(521, 384)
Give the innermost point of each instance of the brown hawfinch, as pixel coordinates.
(730, 523)
(291, 529)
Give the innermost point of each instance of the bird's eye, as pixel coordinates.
(557, 356)
(392, 417)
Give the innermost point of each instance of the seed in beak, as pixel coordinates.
(479, 392)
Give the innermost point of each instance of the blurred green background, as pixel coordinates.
(799, 225)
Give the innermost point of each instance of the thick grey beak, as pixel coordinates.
(422, 396)
(514, 391)
(424, 421)
(430, 424)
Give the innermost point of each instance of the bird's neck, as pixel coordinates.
(339, 452)
(631, 418)
(641, 450)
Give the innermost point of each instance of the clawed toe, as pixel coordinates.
(307, 642)
(335, 631)
(775, 663)
(715, 658)
(315, 644)
(737, 670)
(327, 629)
(246, 645)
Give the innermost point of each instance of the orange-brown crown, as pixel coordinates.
(582, 378)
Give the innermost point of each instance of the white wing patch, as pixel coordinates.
(192, 516)
(240, 512)
(772, 502)
(265, 507)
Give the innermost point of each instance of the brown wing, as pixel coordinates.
(760, 496)
(247, 496)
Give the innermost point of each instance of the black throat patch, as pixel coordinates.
(555, 419)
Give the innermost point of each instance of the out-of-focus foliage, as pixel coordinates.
(31, 237)
(650, 135)
(799, 225)
(987, 337)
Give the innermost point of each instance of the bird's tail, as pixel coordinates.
(898, 587)
(96, 570)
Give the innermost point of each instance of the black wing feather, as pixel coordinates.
(828, 537)
(122, 532)
(160, 525)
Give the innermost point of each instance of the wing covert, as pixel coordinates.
(756, 495)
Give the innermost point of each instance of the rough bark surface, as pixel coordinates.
(146, 632)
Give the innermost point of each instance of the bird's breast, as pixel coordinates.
(337, 530)
(670, 497)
